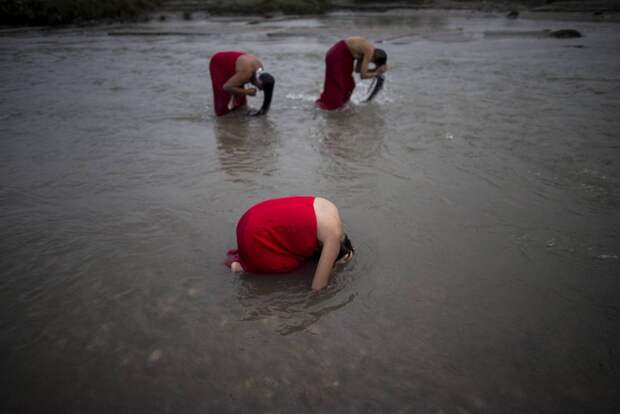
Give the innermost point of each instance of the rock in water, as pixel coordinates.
(513, 14)
(565, 34)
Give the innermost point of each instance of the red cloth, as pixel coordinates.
(276, 236)
(222, 68)
(339, 83)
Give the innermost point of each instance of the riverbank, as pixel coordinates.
(254, 7)
(63, 12)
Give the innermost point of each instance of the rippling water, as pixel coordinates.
(481, 189)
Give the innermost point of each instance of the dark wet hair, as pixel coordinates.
(377, 86)
(345, 248)
(267, 82)
(380, 57)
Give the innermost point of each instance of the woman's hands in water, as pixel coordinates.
(381, 70)
(250, 91)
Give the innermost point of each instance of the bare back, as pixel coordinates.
(330, 233)
(359, 47)
(328, 222)
(245, 67)
(247, 64)
(362, 51)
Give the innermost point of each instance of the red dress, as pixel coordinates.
(339, 83)
(276, 236)
(222, 68)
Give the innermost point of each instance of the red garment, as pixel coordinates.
(222, 68)
(276, 236)
(339, 83)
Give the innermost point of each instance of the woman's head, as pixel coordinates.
(265, 82)
(379, 57)
(346, 250)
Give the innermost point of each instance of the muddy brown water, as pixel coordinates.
(481, 189)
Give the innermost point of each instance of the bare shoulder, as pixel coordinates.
(355, 40)
(327, 219)
(323, 205)
(248, 63)
(358, 45)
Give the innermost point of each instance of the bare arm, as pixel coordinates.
(372, 73)
(331, 247)
(234, 85)
(358, 65)
(365, 73)
(362, 64)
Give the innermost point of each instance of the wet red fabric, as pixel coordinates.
(339, 83)
(222, 68)
(276, 236)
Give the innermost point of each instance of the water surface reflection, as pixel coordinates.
(246, 144)
(286, 304)
(480, 188)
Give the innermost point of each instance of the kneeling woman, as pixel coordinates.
(230, 71)
(279, 235)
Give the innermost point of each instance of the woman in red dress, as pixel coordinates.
(230, 71)
(340, 62)
(279, 235)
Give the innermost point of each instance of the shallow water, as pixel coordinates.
(481, 189)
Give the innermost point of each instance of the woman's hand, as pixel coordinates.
(381, 70)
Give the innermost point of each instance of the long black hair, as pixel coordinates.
(345, 248)
(267, 82)
(376, 86)
(380, 57)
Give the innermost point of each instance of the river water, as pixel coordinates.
(481, 190)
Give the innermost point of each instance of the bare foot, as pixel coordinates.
(236, 267)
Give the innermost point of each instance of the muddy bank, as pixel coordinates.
(62, 12)
(321, 6)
